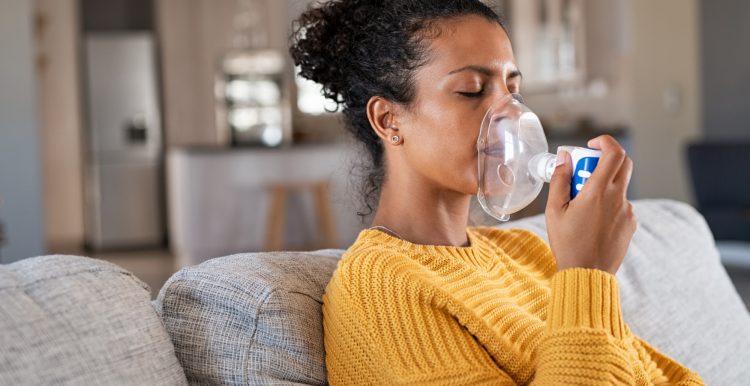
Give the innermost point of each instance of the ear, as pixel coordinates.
(381, 113)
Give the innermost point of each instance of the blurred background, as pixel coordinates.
(161, 133)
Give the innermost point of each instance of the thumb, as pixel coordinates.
(559, 184)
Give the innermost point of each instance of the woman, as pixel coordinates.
(421, 299)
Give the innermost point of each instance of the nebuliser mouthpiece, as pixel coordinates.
(514, 162)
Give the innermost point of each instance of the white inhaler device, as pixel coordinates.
(514, 162)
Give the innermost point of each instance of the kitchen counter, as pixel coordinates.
(219, 198)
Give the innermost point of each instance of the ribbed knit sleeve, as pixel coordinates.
(584, 335)
(586, 341)
(399, 314)
(662, 370)
(585, 298)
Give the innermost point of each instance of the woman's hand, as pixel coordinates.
(594, 230)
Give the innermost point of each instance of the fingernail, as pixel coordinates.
(560, 158)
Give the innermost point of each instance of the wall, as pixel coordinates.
(20, 176)
(61, 124)
(666, 95)
(726, 69)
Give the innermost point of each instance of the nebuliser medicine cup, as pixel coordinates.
(514, 162)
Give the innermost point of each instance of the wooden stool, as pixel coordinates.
(277, 215)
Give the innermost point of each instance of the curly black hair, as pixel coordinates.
(357, 49)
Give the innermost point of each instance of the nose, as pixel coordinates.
(498, 92)
(502, 91)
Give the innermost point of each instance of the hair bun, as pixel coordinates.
(323, 37)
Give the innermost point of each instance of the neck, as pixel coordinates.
(421, 214)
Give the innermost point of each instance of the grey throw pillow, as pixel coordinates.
(250, 319)
(67, 320)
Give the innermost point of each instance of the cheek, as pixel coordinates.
(446, 146)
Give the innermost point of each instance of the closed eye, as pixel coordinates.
(472, 94)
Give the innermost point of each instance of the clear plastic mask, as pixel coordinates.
(513, 152)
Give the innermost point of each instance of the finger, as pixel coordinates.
(559, 184)
(622, 179)
(610, 161)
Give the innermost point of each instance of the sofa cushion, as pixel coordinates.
(250, 319)
(67, 320)
(676, 295)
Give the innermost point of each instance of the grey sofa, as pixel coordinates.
(255, 319)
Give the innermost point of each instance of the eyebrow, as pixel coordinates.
(484, 71)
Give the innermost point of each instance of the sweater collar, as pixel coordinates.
(479, 254)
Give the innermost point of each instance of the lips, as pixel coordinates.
(496, 150)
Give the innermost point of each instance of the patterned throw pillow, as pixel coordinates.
(250, 319)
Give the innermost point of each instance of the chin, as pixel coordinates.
(470, 189)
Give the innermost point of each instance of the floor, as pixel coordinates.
(155, 267)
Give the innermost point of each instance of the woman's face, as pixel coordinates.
(470, 66)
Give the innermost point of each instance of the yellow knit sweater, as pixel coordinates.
(495, 313)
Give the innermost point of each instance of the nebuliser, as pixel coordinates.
(514, 158)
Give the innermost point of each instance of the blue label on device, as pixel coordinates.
(581, 174)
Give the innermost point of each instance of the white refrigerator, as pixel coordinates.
(124, 160)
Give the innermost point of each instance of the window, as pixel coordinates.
(310, 99)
